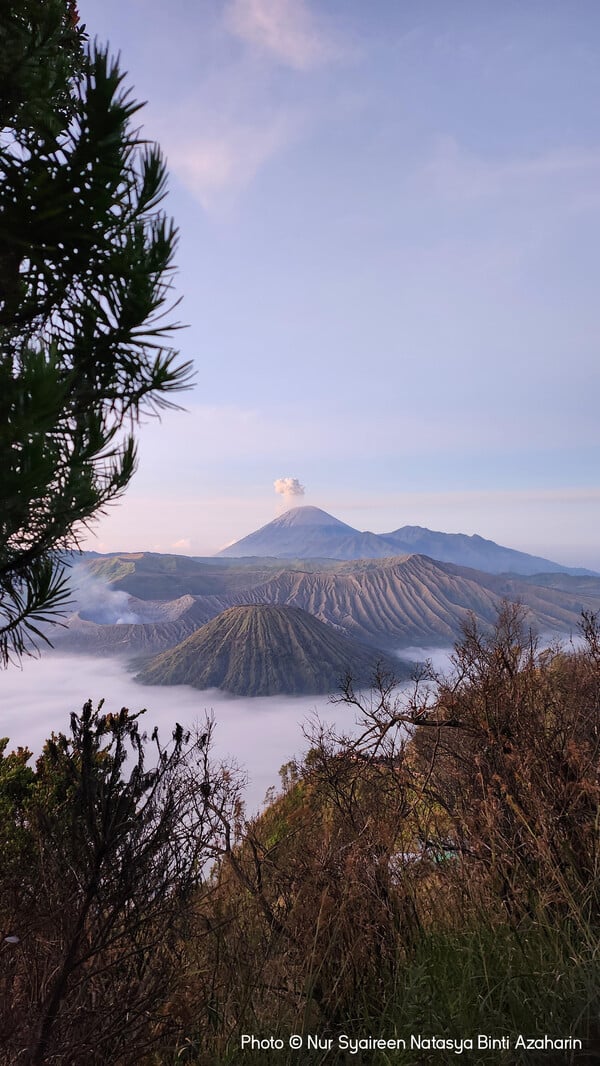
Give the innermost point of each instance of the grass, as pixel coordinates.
(541, 978)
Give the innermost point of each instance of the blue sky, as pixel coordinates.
(389, 222)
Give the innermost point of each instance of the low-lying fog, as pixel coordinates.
(260, 734)
(438, 657)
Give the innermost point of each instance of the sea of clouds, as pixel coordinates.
(259, 734)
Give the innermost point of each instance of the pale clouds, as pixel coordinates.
(216, 164)
(559, 523)
(289, 487)
(454, 173)
(286, 30)
(148, 521)
(257, 734)
(236, 119)
(182, 486)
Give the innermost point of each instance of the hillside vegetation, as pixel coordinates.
(438, 874)
(447, 884)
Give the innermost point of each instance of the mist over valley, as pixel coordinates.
(258, 734)
(300, 698)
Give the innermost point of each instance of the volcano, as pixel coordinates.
(265, 650)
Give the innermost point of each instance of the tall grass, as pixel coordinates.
(501, 982)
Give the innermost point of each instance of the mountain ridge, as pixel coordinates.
(309, 532)
(395, 602)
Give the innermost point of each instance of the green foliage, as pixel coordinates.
(41, 52)
(330, 912)
(16, 783)
(86, 256)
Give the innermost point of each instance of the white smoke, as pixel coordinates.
(288, 487)
(97, 602)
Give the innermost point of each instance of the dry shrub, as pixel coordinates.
(512, 770)
(467, 806)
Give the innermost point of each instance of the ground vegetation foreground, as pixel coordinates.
(435, 875)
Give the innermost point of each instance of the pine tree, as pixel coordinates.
(86, 259)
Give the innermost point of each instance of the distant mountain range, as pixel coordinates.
(403, 601)
(310, 533)
(264, 650)
(289, 608)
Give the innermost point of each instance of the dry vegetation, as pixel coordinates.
(436, 874)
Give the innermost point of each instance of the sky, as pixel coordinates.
(389, 219)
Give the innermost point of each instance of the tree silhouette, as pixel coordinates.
(86, 256)
(104, 846)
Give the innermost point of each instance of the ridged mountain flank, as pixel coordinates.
(265, 650)
(391, 603)
(414, 601)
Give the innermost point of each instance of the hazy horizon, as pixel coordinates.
(569, 557)
(375, 266)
